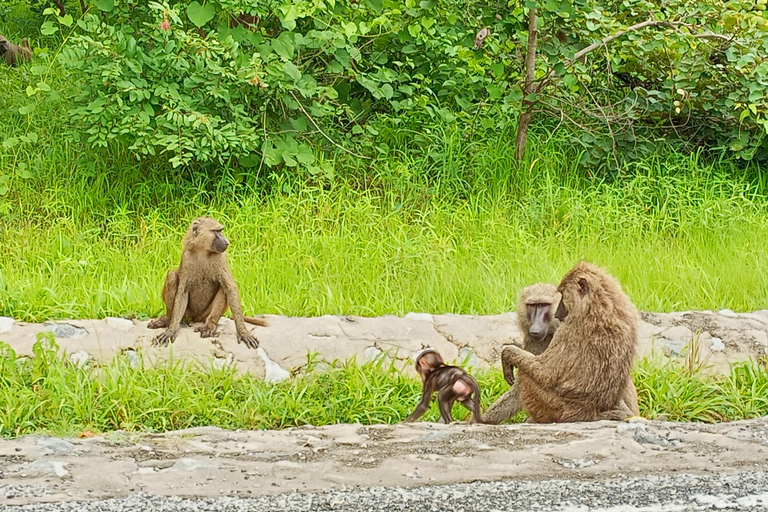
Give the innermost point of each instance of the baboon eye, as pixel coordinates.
(583, 287)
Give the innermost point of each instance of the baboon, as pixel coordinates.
(584, 374)
(451, 383)
(13, 53)
(536, 308)
(202, 288)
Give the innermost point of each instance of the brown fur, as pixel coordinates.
(12, 54)
(584, 375)
(202, 288)
(509, 403)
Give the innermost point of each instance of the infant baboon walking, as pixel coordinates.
(12, 54)
(584, 374)
(202, 288)
(536, 308)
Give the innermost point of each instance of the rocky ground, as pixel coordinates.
(723, 337)
(602, 466)
(664, 466)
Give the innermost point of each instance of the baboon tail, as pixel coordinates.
(476, 402)
(256, 321)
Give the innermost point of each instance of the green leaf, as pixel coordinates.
(350, 28)
(414, 30)
(292, 70)
(200, 14)
(23, 171)
(27, 109)
(48, 28)
(284, 45)
(105, 5)
(305, 154)
(66, 20)
(10, 142)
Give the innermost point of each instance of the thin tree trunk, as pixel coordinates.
(60, 5)
(82, 5)
(530, 75)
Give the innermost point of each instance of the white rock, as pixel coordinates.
(133, 358)
(728, 313)
(274, 373)
(370, 354)
(221, 362)
(6, 323)
(424, 317)
(190, 464)
(55, 445)
(717, 345)
(66, 330)
(42, 467)
(121, 324)
(468, 354)
(79, 358)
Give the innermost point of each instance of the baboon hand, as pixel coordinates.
(247, 338)
(206, 331)
(164, 338)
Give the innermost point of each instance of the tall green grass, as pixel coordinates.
(446, 222)
(48, 394)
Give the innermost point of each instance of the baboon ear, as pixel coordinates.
(195, 227)
(583, 287)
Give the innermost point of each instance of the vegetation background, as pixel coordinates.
(366, 158)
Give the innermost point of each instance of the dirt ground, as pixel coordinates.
(208, 462)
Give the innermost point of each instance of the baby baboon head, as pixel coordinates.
(204, 234)
(589, 290)
(3, 45)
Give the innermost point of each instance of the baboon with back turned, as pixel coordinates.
(202, 288)
(12, 54)
(584, 374)
(536, 308)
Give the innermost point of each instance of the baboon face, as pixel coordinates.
(539, 318)
(3, 45)
(206, 234)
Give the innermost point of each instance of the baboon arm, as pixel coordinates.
(531, 366)
(233, 299)
(507, 367)
(179, 307)
(426, 397)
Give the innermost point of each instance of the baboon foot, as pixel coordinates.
(158, 323)
(164, 338)
(247, 338)
(207, 330)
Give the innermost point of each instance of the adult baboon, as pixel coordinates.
(450, 382)
(584, 374)
(12, 54)
(536, 308)
(202, 288)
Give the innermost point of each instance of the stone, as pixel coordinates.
(274, 372)
(55, 445)
(6, 323)
(66, 330)
(40, 468)
(133, 359)
(371, 354)
(728, 313)
(79, 358)
(424, 317)
(468, 358)
(190, 464)
(717, 345)
(121, 324)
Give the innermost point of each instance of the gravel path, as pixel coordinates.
(740, 491)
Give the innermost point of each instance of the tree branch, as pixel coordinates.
(634, 28)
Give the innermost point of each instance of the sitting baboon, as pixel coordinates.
(536, 320)
(202, 288)
(12, 54)
(584, 374)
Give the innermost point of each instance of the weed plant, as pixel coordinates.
(49, 394)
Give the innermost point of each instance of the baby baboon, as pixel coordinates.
(451, 383)
(584, 374)
(13, 53)
(536, 308)
(202, 288)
